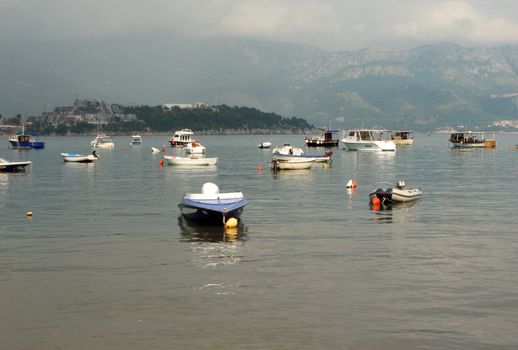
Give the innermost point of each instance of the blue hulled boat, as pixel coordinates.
(26, 140)
(211, 207)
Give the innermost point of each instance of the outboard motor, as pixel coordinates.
(401, 184)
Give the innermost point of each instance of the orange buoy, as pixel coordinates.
(375, 201)
(161, 162)
(259, 168)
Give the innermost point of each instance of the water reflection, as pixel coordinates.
(395, 213)
(203, 233)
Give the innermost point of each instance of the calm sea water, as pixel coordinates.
(105, 262)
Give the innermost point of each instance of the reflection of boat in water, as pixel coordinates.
(192, 232)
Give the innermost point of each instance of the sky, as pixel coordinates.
(334, 25)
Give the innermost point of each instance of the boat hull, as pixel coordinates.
(214, 211)
(265, 145)
(321, 143)
(172, 160)
(14, 167)
(291, 164)
(483, 144)
(370, 146)
(78, 158)
(394, 195)
(27, 145)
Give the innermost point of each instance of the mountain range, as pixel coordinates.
(423, 88)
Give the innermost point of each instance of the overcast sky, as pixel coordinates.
(329, 24)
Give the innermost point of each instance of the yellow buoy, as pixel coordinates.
(28, 214)
(232, 222)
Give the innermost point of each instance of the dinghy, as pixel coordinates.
(398, 194)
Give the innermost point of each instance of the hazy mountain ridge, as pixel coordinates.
(429, 86)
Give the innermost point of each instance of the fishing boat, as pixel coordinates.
(369, 140)
(7, 166)
(102, 141)
(265, 144)
(80, 158)
(291, 164)
(174, 160)
(194, 147)
(26, 140)
(136, 140)
(403, 138)
(288, 150)
(398, 194)
(212, 207)
(181, 138)
(324, 140)
(471, 139)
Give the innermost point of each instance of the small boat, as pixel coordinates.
(369, 140)
(173, 160)
(194, 147)
(324, 140)
(265, 144)
(181, 138)
(291, 164)
(102, 141)
(26, 140)
(471, 139)
(318, 158)
(288, 150)
(402, 137)
(155, 150)
(212, 207)
(398, 194)
(80, 158)
(7, 166)
(136, 140)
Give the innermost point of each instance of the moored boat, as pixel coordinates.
(212, 207)
(194, 147)
(401, 137)
(369, 140)
(7, 166)
(324, 140)
(80, 158)
(102, 141)
(471, 139)
(288, 150)
(136, 140)
(26, 140)
(398, 194)
(291, 164)
(174, 160)
(181, 138)
(265, 144)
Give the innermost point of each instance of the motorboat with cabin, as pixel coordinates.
(288, 150)
(136, 140)
(397, 194)
(471, 139)
(402, 137)
(26, 140)
(369, 140)
(211, 207)
(181, 138)
(194, 147)
(7, 166)
(102, 141)
(324, 140)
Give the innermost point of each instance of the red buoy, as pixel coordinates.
(259, 168)
(163, 149)
(161, 162)
(375, 201)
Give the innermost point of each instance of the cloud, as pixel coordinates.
(331, 24)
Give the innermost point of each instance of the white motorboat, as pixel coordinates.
(102, 141)
(288, 150)
(401, 137)
(136, 140)
(291, 164)
(265, 144)
(472, 139)
(369, 140)
(155, 150)
(181, 138)
(173, 160)
(80, 158)
(195, 147)
(7, 166)
(398, 194)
